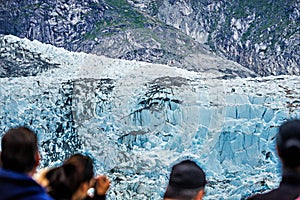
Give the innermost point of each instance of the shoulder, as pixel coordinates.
(11, 176)
(20, 186)
(255, 197)
(41, 196)
(280, 193)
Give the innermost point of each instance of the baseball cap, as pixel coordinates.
(185, 176)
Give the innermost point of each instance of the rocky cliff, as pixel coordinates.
(262, 36)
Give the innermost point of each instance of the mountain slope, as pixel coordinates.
(261, 35)
(167, 32)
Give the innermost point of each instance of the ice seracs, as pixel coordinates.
(137, 119)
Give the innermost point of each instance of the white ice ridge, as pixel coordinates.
(137, 119)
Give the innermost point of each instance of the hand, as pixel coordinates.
(102, 184)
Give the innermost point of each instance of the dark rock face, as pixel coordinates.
(262, 36)
(60, 23)
(114, 29)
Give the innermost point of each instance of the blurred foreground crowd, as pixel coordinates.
(74, 178)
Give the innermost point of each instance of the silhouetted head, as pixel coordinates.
(65, 180)
(187, 179)
(288, 143)
(19, 150)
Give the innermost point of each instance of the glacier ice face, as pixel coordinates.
(138, 119)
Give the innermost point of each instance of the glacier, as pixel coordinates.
(137, 119)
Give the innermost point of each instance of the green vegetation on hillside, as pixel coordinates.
(272, 16)
(270, 21)
(119, 16)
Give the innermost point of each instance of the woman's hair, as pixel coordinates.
(288, 143)
(65, 180)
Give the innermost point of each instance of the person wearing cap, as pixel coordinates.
(187, 182)
(288, 149)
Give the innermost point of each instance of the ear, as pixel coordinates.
(36, 164)
(37, 159)
(200, 195)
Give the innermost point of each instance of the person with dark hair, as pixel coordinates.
(74, 178)
(187, 182)
(19, 160)
(288, 149)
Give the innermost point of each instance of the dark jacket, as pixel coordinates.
(289, 188)
(17, 186)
